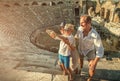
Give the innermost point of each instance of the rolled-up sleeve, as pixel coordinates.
(98, 47)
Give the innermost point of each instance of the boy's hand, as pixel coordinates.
(51, 33)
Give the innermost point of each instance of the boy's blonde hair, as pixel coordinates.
(69, 27)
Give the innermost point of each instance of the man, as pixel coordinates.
(89, 44)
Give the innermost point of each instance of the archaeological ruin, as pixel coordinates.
(27, 53)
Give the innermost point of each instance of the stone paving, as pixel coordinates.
(13, 69)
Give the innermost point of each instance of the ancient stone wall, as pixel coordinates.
(30, 15)
(20, 20)
(111, 11)
(109, 33)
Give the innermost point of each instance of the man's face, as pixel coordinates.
(84, 24)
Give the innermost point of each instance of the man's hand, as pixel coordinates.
(93, 63)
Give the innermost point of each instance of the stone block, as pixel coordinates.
(60, 78)
(20, 75)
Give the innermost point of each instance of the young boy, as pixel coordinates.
(73, 57)
(67, 45)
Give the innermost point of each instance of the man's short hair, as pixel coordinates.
(87, 18)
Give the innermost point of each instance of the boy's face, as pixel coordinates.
(68, 32)
(65, 31)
